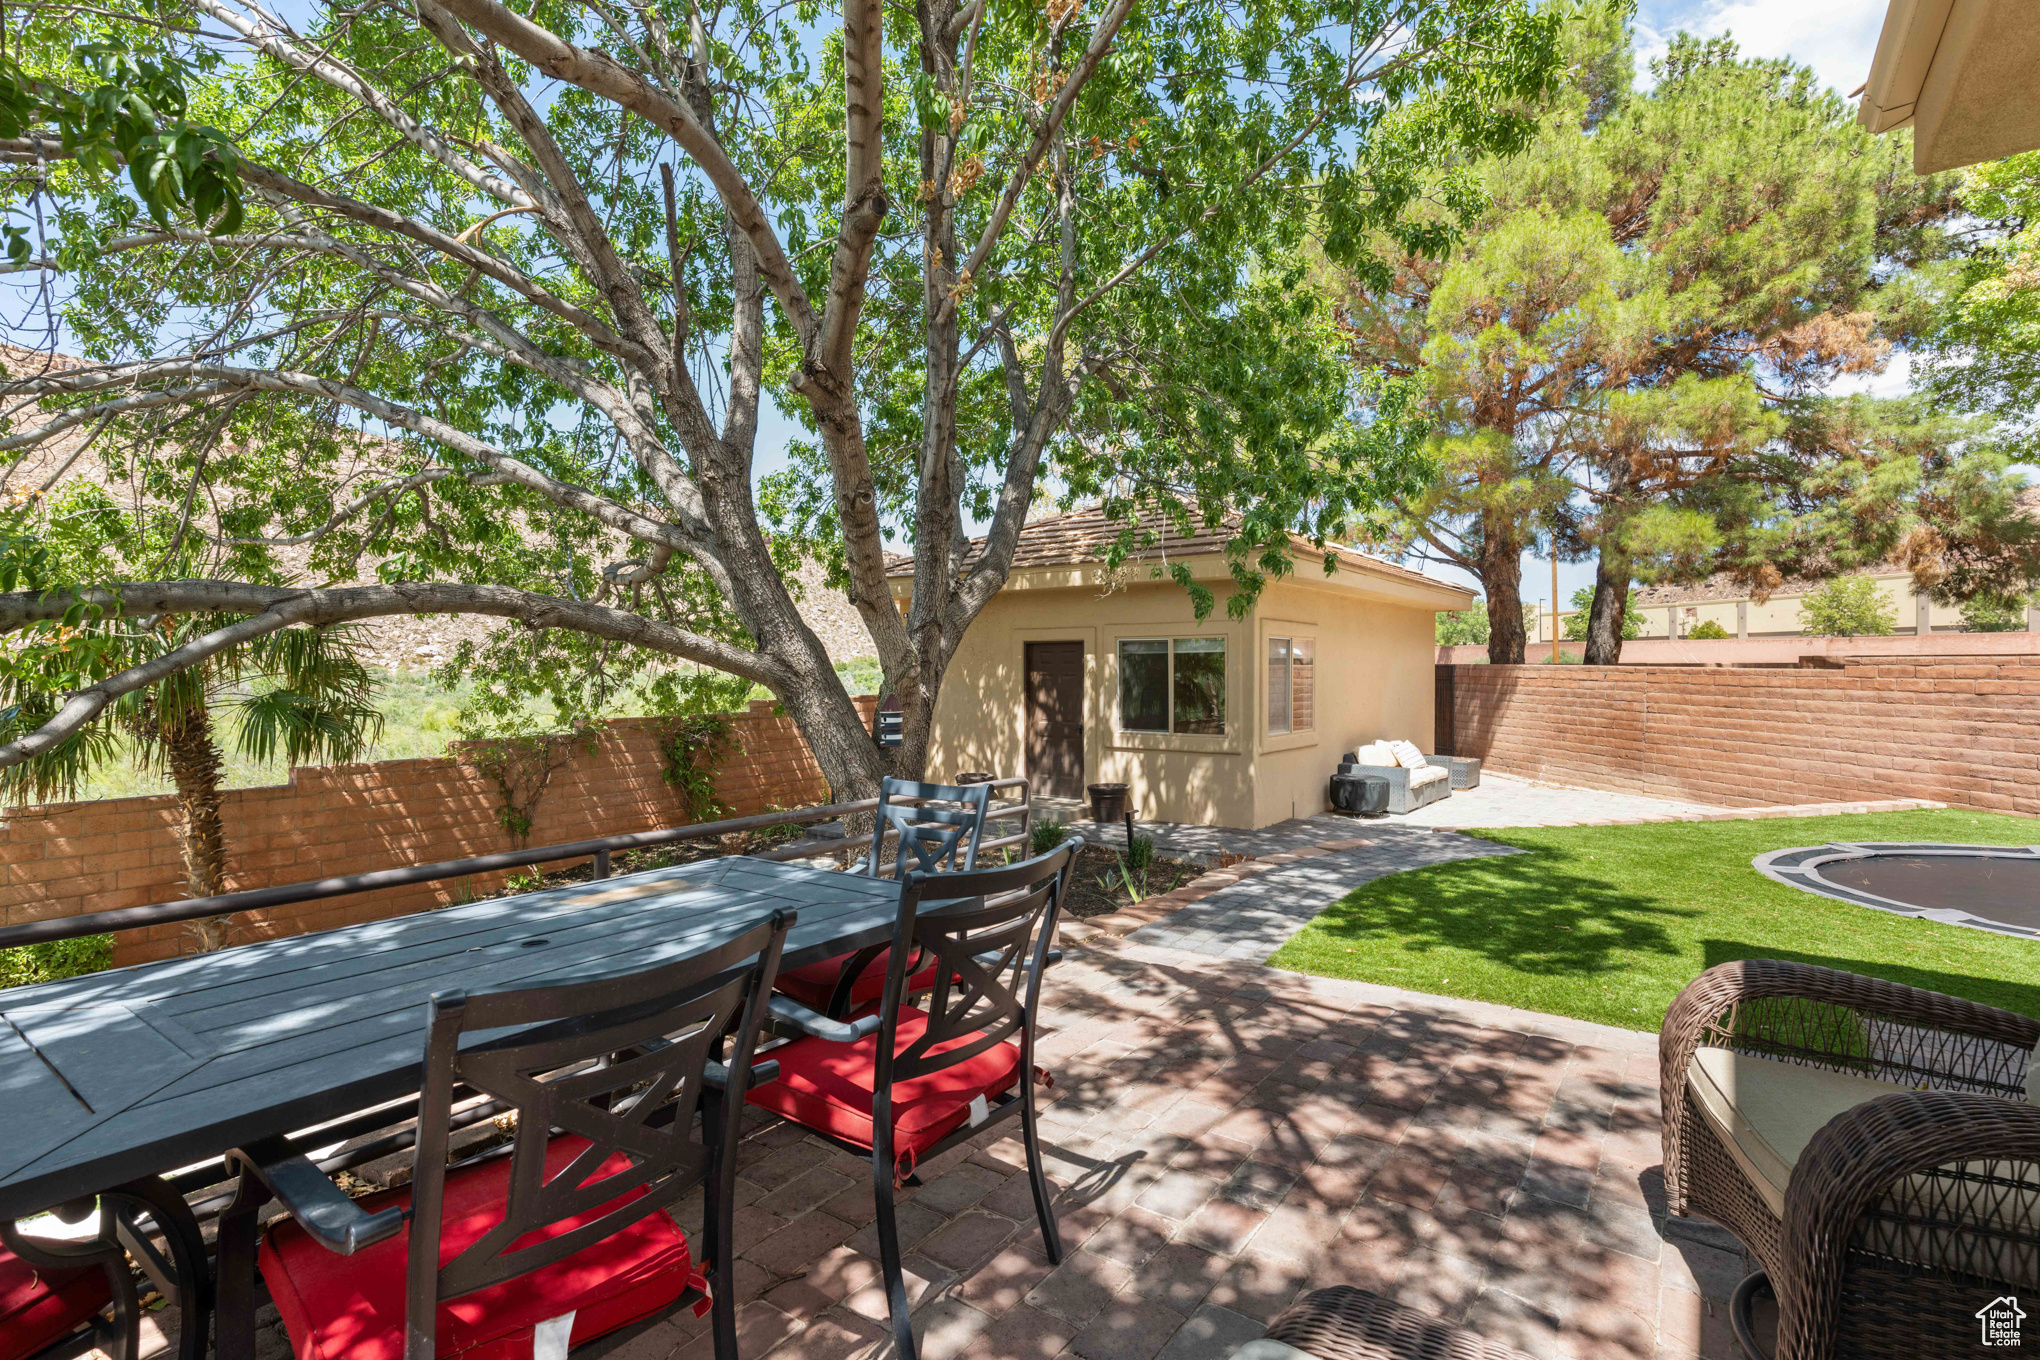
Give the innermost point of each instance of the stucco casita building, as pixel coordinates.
(1075, 675)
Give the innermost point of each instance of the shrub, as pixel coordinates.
(1140, 854)
(1994, 614)
(1848, 606)
(1709, 630)
(58, 959)
(1465, 627)
(1582, 614)
(1046, 836)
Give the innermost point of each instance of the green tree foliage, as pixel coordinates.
(1583, 602)
(493, 328)
(1464, 627)
(301, 694)
(1663, 284)
(1996, 613)
(1847, 606)
(1707, 630)
(1984, 348)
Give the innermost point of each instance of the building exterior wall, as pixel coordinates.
(1373, 674)
(981, 716)
(1374, 681)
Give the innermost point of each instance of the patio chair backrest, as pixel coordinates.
(931, 836)
(989, 932)
(618, 1061)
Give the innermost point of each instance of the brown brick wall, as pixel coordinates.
(1963, 730)
(69, 858)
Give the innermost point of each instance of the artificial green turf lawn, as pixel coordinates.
(1607, 923)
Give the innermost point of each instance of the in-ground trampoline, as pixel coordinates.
(1986, 887)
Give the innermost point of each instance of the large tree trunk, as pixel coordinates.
(194, 760)
(1501, 577)
(1611, 604)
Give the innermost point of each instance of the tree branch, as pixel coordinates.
(271, 608)
(603, 75)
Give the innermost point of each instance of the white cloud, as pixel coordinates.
(1835, 37)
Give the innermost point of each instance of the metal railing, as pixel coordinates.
(600, 851)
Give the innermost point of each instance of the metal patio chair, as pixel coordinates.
(938, 831)
(558, 1238)
(65, 1297)
(903, 1084)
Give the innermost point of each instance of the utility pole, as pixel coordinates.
(1554, 601)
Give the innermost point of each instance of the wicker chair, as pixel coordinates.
(1872, 1144)
(1344, 1323)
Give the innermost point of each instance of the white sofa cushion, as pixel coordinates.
(1376, 753)
(1425, 775)
(1765, 1111)
(1407, 755)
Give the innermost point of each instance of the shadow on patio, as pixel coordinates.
(1225, 1136)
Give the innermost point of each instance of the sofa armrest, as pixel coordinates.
(1909, 1175)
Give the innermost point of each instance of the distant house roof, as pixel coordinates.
(1082, 536)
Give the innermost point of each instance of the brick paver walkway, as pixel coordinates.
(1225, 1136)
(1250, 919)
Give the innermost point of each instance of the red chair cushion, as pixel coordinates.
(38, 1306)
(828, 1086)
(353, 1306)
(814, 985)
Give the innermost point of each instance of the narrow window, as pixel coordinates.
(1303, 684)
(1278, 686)
(1144, 686)
(1199, 683)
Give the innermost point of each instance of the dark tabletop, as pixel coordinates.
(139, 1071)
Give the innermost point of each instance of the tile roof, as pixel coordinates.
(1082, 536)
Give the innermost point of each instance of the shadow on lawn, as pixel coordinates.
(2021, 997)
(1534, 912)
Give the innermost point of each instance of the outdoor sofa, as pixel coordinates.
(1414, 779)
(1875, 1146)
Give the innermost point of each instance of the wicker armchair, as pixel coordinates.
(1344, 1323)
(1871, 1143)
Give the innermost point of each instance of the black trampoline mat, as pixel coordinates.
(2003, 888)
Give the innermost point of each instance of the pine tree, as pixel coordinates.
(1655, 279)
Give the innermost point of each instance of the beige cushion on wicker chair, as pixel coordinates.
(1765, 1111)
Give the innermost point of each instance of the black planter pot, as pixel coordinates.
(1108, 801)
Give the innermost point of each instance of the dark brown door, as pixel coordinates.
(1055, 718)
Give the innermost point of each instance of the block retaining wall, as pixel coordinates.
(1963, 730)
(69, 858)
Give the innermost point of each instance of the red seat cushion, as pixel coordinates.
(38, 1306)
(828, 1086)
(353, 1306)
(814, 985)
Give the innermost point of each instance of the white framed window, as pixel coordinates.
(1172, 685)
(1292, 685)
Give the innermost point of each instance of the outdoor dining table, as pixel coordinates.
(132, 1073)
(138, 1071)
